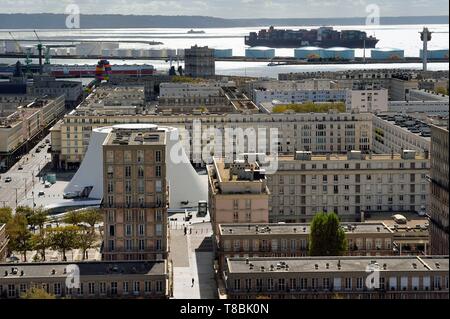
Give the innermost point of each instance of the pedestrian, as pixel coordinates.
(190, 231)
(185, 231)
(193, 282)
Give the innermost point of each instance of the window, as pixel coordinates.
(159, 286)
(248, 284)
(140, 156)
(57, 289)
(136, 287)
(127, 171)
(359, 283)
(125, 287)
(281, 284)
(147, 286)
(158, 171)
(348, 283)
(103, 288)
(127, 156)
(141, 244)
(159, 230)
(141, 230)
(91, 288)
(113, 288)
(269, 284)
(128, 245)
(158, 156)
(128, 230)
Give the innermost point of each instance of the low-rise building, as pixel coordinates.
(238, 193)
(347, 185)
(22, 120)
(337, 278)
(3, 242)
(48, 86)
(367, 100)
(426, 95)
(91, 280)
(292, 240)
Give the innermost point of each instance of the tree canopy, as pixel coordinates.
(327, 237)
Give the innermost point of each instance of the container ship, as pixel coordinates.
(87, 70)
(324, 37)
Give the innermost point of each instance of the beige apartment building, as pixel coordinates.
(337, 278)
(21, 120)
(238, 193)
(320, 133)
(292, 240)
(3, 243)
(97, 280)
(439, 190)
(199, 62)
(347, 185)
(135, 194)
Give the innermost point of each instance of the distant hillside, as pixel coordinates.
(57, 21)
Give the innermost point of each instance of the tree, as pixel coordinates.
(86, 239)
(40, 242)
(327, 237)
(5, 215)
(25, 211)
(73, 218)
(36, 293)
(442, 90)
(91, 217)
(38, 218)
(19, 235)
(63, 239)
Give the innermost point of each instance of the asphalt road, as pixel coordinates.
(23, 180)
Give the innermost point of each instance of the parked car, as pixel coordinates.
(47, 184)
(20, 167)
(70, 195)
(38, 150)
(41, 193)
(8, 179)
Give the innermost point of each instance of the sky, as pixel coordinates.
(234, 8)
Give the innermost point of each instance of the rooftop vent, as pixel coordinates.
(316, 266)
(438, 266)
(247, 261)
(384, 266)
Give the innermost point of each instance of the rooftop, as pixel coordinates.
(293, 229)
(59, 270)
(354, 155)
(336, 264)
(136, 134)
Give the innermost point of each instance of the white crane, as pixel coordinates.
(426, 37)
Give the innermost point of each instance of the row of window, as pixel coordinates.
(93, 288)
(128, 156)
(337, 284)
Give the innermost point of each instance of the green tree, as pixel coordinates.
(38, 218)
(5, 215)
(73, 218)
(91, 217)
(25, 211)
(86, 239)
(442, 90)
(63, 239)
(327, 237)
(41, 242)
(19, 235)
(36, 293)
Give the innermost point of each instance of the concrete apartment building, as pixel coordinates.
(135, 194)
(319, 133)
(292, 240)
(347, 185)
(394, 133)
(438, 208)
(98, 280)
(45, 85)
(22, 120)
(299, 96)
(337, 277)
(426, 95)
(185, 97)
(437, 108)
(199, 62)
(3, 242)
(366, 100)
(237, 193)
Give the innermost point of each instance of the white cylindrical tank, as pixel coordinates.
(310, 53)
(260, 53)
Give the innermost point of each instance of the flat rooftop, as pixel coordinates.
(137, 135)
(336, 264)
(43, 270)
(295, 229)
(345, 157)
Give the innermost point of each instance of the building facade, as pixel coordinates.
(98, 280)
(135, 194)
(347, 185)
(337, 278)
(439, 190)
(199, 62)
(292, 240)
(237, 193)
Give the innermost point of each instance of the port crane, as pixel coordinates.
(425, 37)
(28, 60)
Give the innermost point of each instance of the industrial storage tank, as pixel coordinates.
(338, 53)
(438, 54)
(388, 54)
(223, 53)
(260, 53)
(310, 53)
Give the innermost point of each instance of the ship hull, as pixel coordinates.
(282, 43)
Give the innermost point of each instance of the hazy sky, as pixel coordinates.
(235, 8)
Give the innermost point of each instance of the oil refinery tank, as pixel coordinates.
(437, 54)
(339, 53)
(223, 53)
(260, 53)
(388, 54)
(310, 53)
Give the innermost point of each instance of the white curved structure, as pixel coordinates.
(185, 185)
